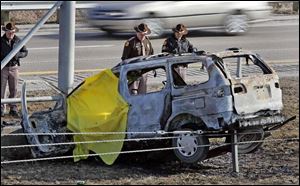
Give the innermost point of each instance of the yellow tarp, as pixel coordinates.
(97, 106)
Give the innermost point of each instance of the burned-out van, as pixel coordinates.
(220, 93)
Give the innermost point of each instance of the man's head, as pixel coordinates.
(10, 30)
(142, 30)
(180, 30)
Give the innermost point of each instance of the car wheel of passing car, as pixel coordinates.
(255, 134)
(190, 149)
(236, 24)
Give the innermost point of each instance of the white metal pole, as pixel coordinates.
(239, 68)
(66, 46)
(235, 153)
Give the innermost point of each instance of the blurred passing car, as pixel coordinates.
(231, 16)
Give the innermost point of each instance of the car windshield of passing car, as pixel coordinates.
(233, 17)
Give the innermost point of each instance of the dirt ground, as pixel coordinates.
(276, 162)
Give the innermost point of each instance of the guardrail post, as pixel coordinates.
(66, 46)
(239, 68)
(235, 159)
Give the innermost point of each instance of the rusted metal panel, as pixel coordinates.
(53, 121)
(259, 121)
(145, 110)
(260, 93)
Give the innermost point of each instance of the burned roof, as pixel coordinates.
(233, 52)
(158, 58)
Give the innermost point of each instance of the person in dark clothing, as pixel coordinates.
(138, 45)
(10, 73)
(177, 43)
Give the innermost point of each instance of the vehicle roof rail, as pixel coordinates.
(234, 49)
(142, 58)
(163, 54)
(200, 52)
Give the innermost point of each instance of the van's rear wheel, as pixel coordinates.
(247, 135)
(191, 147)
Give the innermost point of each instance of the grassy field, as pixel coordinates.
(275, 162)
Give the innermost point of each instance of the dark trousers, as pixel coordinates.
(139, 86)
(181, 70)
(9, 75)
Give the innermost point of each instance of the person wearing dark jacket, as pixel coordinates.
(10, 73)
(177, 43)
(138, 45)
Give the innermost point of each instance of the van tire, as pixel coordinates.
(192, 153)
(255, 134)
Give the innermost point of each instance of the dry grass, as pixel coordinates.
(273, 163)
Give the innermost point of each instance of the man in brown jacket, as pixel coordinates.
(138, 45)
(10, 72)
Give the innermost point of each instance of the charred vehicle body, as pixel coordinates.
(236, 90)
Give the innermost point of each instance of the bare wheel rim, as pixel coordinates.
(236, 24)
(188, 144)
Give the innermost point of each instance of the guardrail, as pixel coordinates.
(40, 5)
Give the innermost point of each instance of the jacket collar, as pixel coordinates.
(183, 38)
(6, 39)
